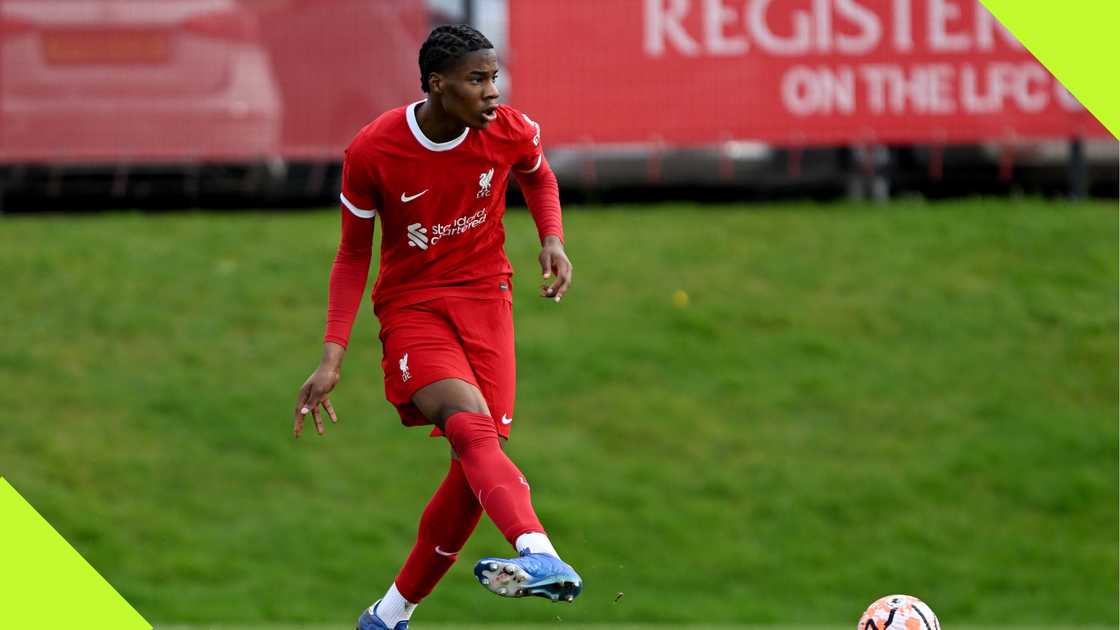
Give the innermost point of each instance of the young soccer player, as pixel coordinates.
(436, 173)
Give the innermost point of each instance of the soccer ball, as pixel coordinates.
(898, 612)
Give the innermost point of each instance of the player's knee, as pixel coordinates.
(443, 399)
(450, 408)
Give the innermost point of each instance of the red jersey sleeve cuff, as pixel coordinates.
(355, 210)
(537, 165)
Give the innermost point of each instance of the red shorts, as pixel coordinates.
(469, 339)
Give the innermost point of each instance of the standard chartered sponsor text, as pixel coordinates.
(457, 226)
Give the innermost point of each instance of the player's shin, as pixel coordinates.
(447, 522)
(500, 487)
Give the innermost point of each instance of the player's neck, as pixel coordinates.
(436, 125)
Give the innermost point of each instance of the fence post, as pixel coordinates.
(869, 175)
(654, 160)
(1006, 162)
(1078, 170)
(192, 181)
(726, 165)
(793, 162)
(120, 180)
(880, 181)
(937, 162)
(855, 175)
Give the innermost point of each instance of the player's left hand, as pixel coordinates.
(555, 263)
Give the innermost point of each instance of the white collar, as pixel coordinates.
(414, 127)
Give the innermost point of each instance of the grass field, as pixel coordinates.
(560, 624)
(854, 402)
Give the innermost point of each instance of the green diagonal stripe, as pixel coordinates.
(1077, 42)
(45, 583)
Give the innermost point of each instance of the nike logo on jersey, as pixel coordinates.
(407, 198)
(506, 420)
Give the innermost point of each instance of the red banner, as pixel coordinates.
(791, 72)
(209, 80)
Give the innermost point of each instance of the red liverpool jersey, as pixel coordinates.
(440, 203)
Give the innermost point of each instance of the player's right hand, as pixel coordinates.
(555, 262)
(312, 395)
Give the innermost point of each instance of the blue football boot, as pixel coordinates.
(529, 574)
(370, 621)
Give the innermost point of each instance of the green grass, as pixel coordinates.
(855, 402)
(560, 624)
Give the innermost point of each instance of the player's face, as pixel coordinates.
(469, 92)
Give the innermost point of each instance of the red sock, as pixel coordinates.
(496, 481)
(447, 523)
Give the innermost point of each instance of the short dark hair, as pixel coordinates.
(445, 46)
